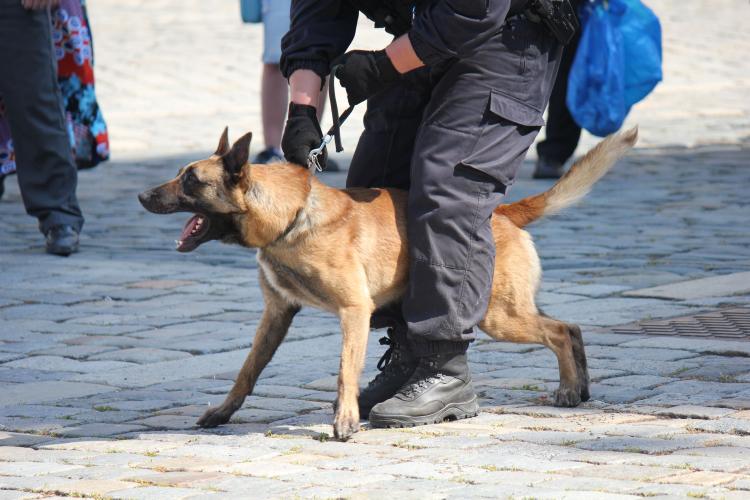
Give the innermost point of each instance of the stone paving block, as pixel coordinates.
(257, 415)
(270, 469)
(640, 381)
(153, 373)
(720, 368)
(98, 430)
(15, 495)
(17, 439)
(701, 478)
(694, 411)
(141, 355)
(9, 356)
(640, 354)
(725, 347)
(38, 411)
(19, 468)
(594, 290)
(57, 363)
(636, 444)
(261, 487)
(167, 422)
(640, 473)
(142, 405)
(177, 479)
(44, 392)
(725, 425)
(729, 284)
(155, 493)
(74, 351)
(283, 404)
(727, 451)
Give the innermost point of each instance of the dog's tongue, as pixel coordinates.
(189, 226)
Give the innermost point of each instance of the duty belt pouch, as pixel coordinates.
(557, 15)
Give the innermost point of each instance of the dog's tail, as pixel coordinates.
(575, 184)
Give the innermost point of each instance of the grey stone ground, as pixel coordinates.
(108, 357)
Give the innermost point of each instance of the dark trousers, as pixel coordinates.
(454, 136)
(562, 132)
(46, 172)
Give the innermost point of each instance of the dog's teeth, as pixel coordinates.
(178, 242)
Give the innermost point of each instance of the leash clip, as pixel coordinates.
(313, 163)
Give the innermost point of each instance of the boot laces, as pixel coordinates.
(422, 379)
(390, 359)
(385, 359)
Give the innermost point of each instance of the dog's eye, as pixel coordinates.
(191, 178)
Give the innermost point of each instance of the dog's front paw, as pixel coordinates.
(568, 397)
(215, 416)
(345, 424)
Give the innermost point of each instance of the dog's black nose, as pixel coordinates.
(144, 197)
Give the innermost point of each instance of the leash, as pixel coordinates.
(334, 133)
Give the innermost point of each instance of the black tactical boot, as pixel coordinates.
(440, 389)
(548, 169)
(396, 366)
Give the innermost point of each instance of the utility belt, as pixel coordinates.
(396, 15)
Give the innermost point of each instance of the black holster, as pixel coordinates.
(557, 15)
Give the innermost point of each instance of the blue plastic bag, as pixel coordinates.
(641, 36)
(618, 63)
(251, 11)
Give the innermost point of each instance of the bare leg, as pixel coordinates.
(274, 324)
(355, 325)
(274, 99)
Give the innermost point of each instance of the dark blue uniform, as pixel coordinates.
(454, 133)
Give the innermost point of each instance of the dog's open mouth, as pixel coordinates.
(192, 235)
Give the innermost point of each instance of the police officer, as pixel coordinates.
(453, 104)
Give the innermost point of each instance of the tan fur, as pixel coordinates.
(575, 184)
(345, 251)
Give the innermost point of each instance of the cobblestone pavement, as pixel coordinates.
(108, 357)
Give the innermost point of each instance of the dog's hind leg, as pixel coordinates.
(537, 329)
(277, 317)
(355, 326)
(579, 354)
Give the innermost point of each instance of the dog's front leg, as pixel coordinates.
(355, 326)
(277, 317)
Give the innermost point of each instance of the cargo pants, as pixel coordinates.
(455, 134)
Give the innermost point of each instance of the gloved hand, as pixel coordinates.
(301, 134)
(363, 73)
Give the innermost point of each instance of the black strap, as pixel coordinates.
(337, 120)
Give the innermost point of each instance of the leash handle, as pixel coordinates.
(334, 133)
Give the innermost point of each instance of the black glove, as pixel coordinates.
(364, 73)
(301, 134)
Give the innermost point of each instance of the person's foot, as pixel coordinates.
(547, 169)
(396, 366)
(439, 389)
(62, 240)
(269, 155)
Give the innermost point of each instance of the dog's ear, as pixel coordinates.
(237, 157)
(223, 146)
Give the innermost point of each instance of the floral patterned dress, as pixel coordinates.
(74, 52)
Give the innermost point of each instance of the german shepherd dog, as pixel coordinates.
(345, 251)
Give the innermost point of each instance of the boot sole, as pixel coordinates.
(454, 411)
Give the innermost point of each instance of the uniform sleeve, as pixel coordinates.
(450, 28)
(320, 31)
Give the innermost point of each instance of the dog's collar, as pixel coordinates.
(290, 227)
